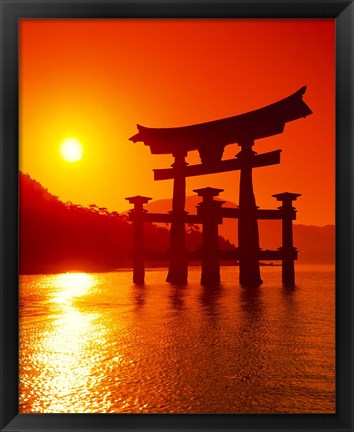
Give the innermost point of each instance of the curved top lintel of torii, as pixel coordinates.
(211, 137)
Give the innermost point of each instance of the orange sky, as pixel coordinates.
(96, 79)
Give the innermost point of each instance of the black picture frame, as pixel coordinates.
(343, 13)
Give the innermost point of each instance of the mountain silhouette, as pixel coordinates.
(59, 237)
(316, 244)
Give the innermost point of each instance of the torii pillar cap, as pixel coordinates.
(208, 192)
(138, 199)
(286, 196)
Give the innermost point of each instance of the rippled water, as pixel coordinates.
(97, 343)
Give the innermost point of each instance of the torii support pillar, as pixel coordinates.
(137, 216)
(288, 250)
(210, 212)
(178, 268)
(248, 238)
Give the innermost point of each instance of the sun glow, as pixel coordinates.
(71, 150)
(72, 285)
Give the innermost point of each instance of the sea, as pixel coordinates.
(97, 343)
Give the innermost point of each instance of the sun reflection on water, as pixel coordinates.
(70, 286)
(71, 346)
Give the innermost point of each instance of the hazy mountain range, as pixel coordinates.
(316, 244)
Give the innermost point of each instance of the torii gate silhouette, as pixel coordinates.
(210, 139)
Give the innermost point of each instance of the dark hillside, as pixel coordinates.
(57, 236)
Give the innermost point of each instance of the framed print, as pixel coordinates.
(177, 215)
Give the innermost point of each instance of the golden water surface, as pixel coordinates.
(95, 343)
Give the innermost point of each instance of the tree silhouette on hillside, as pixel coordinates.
(57, 237)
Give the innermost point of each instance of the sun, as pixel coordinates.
(71, 150)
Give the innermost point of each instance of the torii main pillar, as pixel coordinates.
(178, 268)
(248, 237)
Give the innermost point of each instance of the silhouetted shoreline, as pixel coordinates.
(57, 237)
